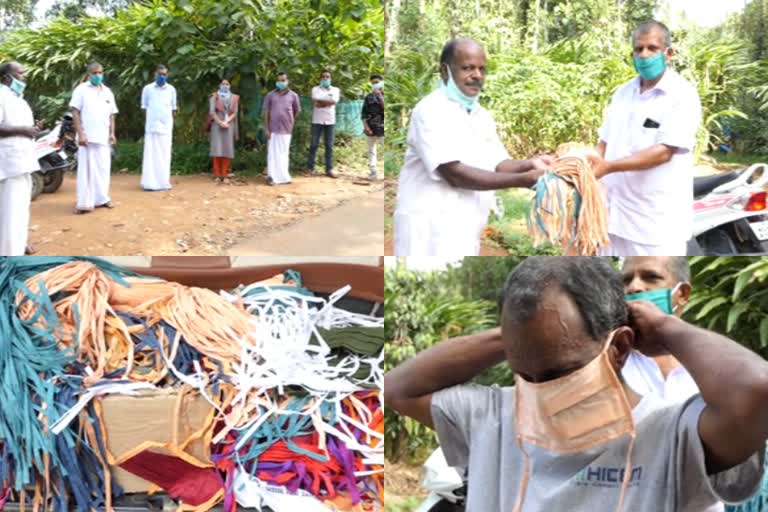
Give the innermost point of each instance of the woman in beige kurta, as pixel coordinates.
(222, 115)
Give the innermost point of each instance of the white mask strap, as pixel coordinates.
(672, 294)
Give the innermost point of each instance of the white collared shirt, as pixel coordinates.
(433, 217)
(17, 153)
(96, 104)
(643, 375)
(325, 115)
(159, 104)
(653, 206)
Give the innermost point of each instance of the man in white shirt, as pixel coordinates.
(454, 162)
(646, 153)
(158, 100)
(324, 98)
(17, 161)
(93, 111)
(663, 376)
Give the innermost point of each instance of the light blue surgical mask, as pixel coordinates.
(325, 83)
(661, 297)
(453, 92)
(96, 79)
(281, 85)
(224, 89)
(650, 68)
(377, 86)
(17, 86)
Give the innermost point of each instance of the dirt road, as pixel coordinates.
(197, 217)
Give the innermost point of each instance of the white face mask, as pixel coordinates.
(582, 410)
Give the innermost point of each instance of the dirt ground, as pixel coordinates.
(196, 217)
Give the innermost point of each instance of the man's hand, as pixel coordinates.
(533, 176)
(112, 139)
(40, 124)
(599, 164)
(29, 131)
(82, 140)
(647, 321)
(269, 133)
(542, 162)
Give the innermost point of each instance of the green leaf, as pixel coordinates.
(734, 314)
(710, 306)
(764, 332)
(741, 282)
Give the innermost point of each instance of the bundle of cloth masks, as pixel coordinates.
(293, 384)
(568, 209)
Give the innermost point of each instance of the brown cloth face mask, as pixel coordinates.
(574, 413)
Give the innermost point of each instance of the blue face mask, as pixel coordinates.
(378, 86)
(161, 80)
(650, 68)
(281, 85)
(325, 83)
(17, 86)
(455, 94)
(662, 298)
(97, 79)
(224, 89)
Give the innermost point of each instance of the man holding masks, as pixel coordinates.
(454, 162)
(571, 434)
(93, 111)
(646, 153)
(17, 160)
(158, 101)
(281, 108)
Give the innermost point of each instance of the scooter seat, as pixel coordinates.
(703, 185)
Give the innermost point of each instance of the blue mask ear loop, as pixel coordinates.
(672, 294)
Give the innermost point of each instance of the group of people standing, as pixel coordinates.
(94, 109)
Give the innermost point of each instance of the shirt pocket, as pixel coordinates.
(643, 138)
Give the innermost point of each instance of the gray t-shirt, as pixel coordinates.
(475, 426)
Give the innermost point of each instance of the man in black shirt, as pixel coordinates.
(373, 120)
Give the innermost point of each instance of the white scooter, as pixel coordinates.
(447, 490)
(731, 213)
(55, 152)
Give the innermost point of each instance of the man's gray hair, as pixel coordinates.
(94, 65)
(650, 26)
(161, 67)
(680, 269)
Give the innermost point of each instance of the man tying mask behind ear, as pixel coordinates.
(572, 434)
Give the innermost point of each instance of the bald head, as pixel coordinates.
(10, 70)
(465, 61)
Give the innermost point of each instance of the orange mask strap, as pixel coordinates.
(526, 458)
(627, 473)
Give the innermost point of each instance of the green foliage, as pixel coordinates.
(420, 309)
(730, 296)
(201, 41)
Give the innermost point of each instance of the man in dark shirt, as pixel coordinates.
(373, 120)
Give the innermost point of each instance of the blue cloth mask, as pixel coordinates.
(96, 79)
(161, 80)
(224, 90)
(661, 297)
(378, 86)
(17, 86)
(650, 68)
(281, 85)
(453, 92)
(325, 83)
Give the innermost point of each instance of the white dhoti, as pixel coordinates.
(93, 175)
(15, 196)
(156, 166)
(278, 151)
(625, 247)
